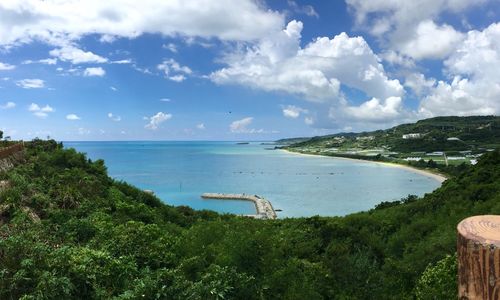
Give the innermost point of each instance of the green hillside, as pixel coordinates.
(68, 231)
(436, 134)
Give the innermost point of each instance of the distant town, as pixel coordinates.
(442, 141)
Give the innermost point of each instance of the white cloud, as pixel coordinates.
(461, 97)
(165, 99)
(241, 126)
(8, 105)
(397, 59)
(113, 88)
(475, 69)
(99, 72)
(431, 41)
(76, 56)
(52, 21)
(375, 110)
(173, 70)
(31, 83)
(6, 67)
(156, 120)
(45, 61)
(278, 63)
(114, 118)
(399, 18)
(106, 38)
(292, 111)
(170, 47)
(41, 112)
(201, 126)
(305, 9)
(419, 84)
(122, 61)
(177, 78)
(408, 26)
(72, 117)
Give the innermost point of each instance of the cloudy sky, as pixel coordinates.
(241, 70)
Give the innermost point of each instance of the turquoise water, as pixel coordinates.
(179, 172)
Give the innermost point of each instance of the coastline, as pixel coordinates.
(436, 176)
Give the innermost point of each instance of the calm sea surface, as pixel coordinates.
(179, 172)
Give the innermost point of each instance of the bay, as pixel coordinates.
(179, 172)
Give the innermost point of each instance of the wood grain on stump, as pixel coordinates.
(478, 249)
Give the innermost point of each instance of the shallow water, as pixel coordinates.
(179, 172)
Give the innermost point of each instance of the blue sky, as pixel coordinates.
(241, 70)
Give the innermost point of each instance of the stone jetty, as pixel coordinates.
(264, 208)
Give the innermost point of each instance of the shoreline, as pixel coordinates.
(436, 176)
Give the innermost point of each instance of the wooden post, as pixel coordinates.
(478, 248)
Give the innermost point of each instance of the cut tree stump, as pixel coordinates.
(478, 248)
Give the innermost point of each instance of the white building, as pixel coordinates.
(410, 136)
(413, 158)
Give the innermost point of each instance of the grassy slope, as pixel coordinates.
(98, 238)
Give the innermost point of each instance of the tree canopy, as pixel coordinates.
(68, 231)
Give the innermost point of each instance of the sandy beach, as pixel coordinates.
(439, 177)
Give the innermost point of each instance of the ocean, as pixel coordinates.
(301, 186)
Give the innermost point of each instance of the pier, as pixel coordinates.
(264, 208)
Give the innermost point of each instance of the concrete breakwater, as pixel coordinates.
(264, 208)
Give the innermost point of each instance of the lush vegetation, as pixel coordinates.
(473, 133)
(69, 231)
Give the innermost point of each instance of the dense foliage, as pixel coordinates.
(69, 231)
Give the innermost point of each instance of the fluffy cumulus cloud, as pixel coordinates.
(156, 120)
(400, 17)
(397, 59)
(292, 111)
(475, 69)
(241, 126)
(53, 20)
(408, 26)
(72, 117)
(173, 70)
(31, 83)
(8, 105)
(75, 55)
(315, 72)
(375, 110)
(419, 84)
(40, 112)
(6, 67)
(431, 41)
(201, 126)
(96, 71)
